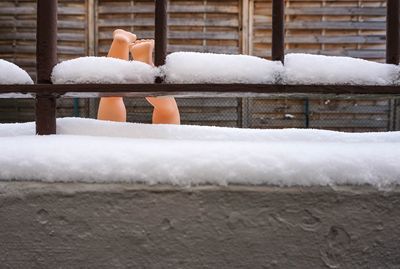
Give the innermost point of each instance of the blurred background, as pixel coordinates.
(345, 27)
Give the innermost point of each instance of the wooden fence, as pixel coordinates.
(353, 28)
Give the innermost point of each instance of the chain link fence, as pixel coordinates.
(340, 114)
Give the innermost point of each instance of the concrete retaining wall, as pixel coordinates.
(134, 226)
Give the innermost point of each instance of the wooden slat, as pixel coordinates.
(327, 39)
(182, 35)
(330, 25)
(30, 10)
(194, 8)
(123, 22)
(330, 11)
(352, 28)
(18, 30)
(195, 23)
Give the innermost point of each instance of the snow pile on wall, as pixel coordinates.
(97, 151)
(320, 69)
(192, 67)
(12, 74)
(102, 70)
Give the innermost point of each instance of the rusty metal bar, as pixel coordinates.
(45, 115)
(95, 90)
(278, 30)
(46, 59)
(392, 32)
(161, 32)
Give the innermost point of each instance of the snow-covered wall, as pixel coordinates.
(192, 67)
(97, 151)
(135, 226)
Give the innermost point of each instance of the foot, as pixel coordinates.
(165, 109)
(124, 35)
(142, 50)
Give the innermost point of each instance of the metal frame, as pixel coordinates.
(46, 93)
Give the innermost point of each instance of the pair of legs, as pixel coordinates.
(113, 108)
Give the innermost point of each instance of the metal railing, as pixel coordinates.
(46, 93)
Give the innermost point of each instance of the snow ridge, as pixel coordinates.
(96, 151)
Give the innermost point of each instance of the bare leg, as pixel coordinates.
(113, 108)
(165, 108)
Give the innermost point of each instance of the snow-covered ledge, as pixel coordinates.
(47, 225)
(197, 197)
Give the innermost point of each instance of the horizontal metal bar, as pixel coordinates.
(198, 90)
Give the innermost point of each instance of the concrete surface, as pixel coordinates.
(134, 226)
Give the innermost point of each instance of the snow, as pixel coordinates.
(97, 151)
(193, 67)
(102, 70)
(320, 69)
(12, 74)
(16, 95)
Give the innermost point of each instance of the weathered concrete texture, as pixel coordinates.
(133, 226)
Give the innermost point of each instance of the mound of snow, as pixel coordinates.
(193, 67)
(99, 151)
(12, 74)
(102, 70)
(319, 69)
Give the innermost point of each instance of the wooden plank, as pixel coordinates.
(353, 11)
(172, 22)
(330, 11)
(352, 123)
(245, 31)
(332, 25)
(32, 24)
(366, 54)
(91, 29)
(193, 8)
(311, 28)
(199, 48)
(181, 35)
(306, 39)
(29, 10)
(276, 123)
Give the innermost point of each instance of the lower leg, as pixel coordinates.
(165, 108)
(112, 109)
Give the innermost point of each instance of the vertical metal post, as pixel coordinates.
(46, 59)
(307, 112)
(278, 30)
(392, 32)
(45, 115)
(161, 32)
